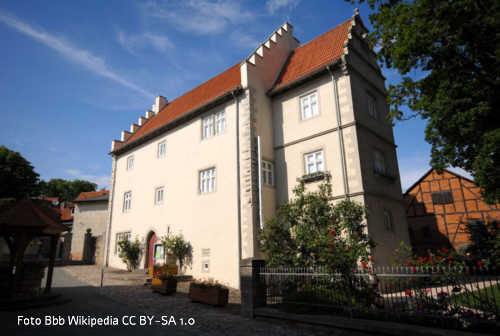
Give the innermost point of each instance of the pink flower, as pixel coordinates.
(408, 292)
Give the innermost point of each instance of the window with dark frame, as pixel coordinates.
(442, 197)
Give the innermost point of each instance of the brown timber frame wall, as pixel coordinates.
(434, 226)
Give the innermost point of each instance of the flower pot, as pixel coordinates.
(164, 286)
(211, 295)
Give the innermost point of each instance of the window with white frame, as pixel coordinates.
(159, 195)
(309, 105)
(388, 220)
(162, 149)
(220, 122)
(379, 163)
(119, 237)
(372, 106)
(314, 162)
(267, 173)
(127, 201)
(130, 162)
(207, 180)
(213, 124)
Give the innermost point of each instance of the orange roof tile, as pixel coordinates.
(66, 214)
(313, 55)
(91, 194)
(204, 93)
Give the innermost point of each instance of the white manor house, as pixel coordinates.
(216, 162)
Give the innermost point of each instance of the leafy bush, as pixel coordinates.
(130, 253)
(209, 283)
(181, 249)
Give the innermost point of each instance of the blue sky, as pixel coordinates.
(73, 75)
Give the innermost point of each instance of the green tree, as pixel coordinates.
(454, 48)
(484, 244)
(310, 230)
(178, 247)
(130, 253)
(65, 190)
(18, 179)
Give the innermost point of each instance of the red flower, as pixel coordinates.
(479, 263)
(332, 233)
(329, 250)
(445, 249)
(330, 244)
(371, 259)
(414, 269)
(450, 256)
(425, 259)
(370, 271)
(450, 261)
(410, 264)
(408, 292)
(364, 264)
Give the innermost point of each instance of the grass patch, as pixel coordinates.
(486, 299)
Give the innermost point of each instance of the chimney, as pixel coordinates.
(160, 102)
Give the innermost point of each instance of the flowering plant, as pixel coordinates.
(209, 283)
(163, 273)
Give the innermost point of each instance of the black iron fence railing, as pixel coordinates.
(453, 297)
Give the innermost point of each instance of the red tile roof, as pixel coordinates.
(66, 215)
(32, 214)
(313, 55)
(91, 194)
(206, 92)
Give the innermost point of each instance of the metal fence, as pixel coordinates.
(455, 297)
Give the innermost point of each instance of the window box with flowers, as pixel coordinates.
(164, 281)
(209, 292)
(313, 177)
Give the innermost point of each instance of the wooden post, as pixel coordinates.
(52, 258)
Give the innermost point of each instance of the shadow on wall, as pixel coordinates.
(424, 230)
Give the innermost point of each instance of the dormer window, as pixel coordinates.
(130, 162)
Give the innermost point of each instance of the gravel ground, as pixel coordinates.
(128, 289)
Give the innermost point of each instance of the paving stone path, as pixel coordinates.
(209, 320)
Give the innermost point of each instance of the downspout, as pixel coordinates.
(110, 216)
(238, 182)
(259, 172)
(339, 132)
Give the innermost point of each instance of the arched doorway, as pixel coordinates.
(149, 260)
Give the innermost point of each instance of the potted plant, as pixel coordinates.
(179, 248)
(209, 291)
(164, 282)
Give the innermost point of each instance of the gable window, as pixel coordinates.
(372, 106)
(162, 149)
(314, 162)
(207, 180)
(267, 173)
(127, 201)
(379, 163)
(119, 237)
(388, 220)
(213, 124)
(309, 105)
(130, 162)
(159, 196)
(443, 197)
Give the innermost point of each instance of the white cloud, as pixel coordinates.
(200, 16)
(141, 41)
(274, 5)
(244, 40)
(101, 180)
(80, 56)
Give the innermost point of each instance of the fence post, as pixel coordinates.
(252, 289)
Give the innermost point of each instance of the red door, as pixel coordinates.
(151, 248)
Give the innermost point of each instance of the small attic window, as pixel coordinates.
(443, 197)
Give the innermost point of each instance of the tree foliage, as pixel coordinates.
(177, 246)
(18, 179)
(65, 190)
(484, 242)
(130, 253)
(452, 50)
(310, 230)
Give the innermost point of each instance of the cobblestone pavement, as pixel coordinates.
(209, 320)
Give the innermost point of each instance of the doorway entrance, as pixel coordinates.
(151, 241)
